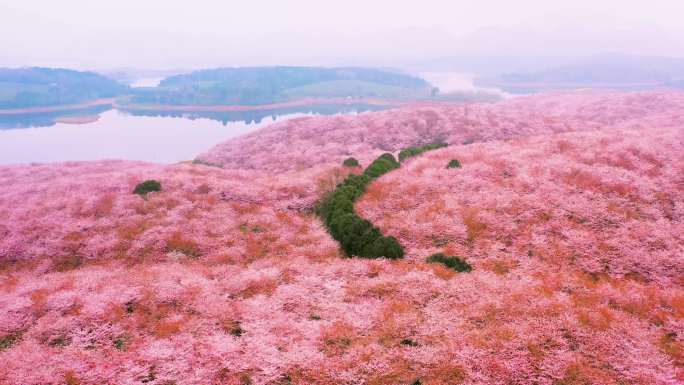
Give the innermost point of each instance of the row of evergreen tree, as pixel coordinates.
(358, 236)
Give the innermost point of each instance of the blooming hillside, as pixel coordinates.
(75, 212)
(604, 202)
(306, 142)
(568, 208)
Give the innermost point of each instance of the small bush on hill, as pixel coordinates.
(413, 151)
(453, 263)
(59, 342)
(8, 340)
(350, 162)
(454, 163)
(146, 187)
(205, 163)
(120, 343)
(233, 328)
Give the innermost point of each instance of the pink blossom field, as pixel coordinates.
(568, 207)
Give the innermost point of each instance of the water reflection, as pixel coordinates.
(157, 136)
(47, 119)
(256, 116)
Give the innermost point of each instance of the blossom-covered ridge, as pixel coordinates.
(314, 141)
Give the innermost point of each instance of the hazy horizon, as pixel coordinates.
(170, 35)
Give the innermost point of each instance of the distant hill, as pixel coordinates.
(40, 87)
(262, 85)
(610, 71)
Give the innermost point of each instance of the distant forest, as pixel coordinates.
(39, 87)
(263, 85)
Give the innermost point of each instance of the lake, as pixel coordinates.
(156, 136)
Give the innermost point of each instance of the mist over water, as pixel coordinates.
(459, 81)
(146, 82)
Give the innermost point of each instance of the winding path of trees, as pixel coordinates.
(358, 236)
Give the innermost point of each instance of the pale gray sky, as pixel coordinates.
(200, 33)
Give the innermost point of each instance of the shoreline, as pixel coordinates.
(78, 119)
(66, 107)
(205, 108)
(571, 87)
(272, 106)
(220, 107)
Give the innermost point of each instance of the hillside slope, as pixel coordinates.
(568, 207)
(602, 202)
(306, 142)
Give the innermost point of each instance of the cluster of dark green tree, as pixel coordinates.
(413, 151)
(357, 236)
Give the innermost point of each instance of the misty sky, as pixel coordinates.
(190, 34)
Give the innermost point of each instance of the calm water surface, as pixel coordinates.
(163, 137)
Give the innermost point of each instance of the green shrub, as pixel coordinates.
(120, 343)
(59, 341)
(235, 329)
(413, 151)
(355, 236)
(453, 263)
(351, 162)
(358, 180)
(407, 153)
(384, 164)
(387, 247)
(205, 163)
(146, 187)
(390, 158)
(336, 205)
(368, 236)
(454, 163)
(130, 307)
(8, 340)
(340, 224)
